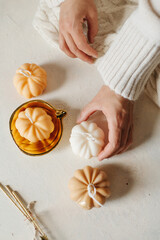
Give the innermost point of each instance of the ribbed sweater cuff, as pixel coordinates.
(54, 3)
(129, 62)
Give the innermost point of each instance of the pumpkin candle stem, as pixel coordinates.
(30, 119)
(25, 72)
(89, 136)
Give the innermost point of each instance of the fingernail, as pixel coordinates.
(95, 55)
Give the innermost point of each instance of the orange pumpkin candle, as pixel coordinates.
(89, 187)
(30, 80)
(34, 124)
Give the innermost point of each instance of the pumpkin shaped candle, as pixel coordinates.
(89, 187)
(30, 80)
(40, 147)
(87, 139)
(34, 124)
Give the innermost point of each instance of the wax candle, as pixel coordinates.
(87, 139)
(89, 187)
(30, 80)
(34, 124)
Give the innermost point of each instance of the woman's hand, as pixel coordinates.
(71, 37)
(119, 115)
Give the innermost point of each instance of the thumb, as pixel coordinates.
(86, 113)
(92, 27)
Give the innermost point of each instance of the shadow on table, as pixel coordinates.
(47, 218)
(50, 219)
(120, 178)
(69, 121)
(145, 120)
(56, 76)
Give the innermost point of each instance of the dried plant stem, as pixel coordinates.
(27, 212)
(13, 196)
(8, 195)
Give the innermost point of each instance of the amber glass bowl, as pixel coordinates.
(40, 147)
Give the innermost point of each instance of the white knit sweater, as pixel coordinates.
(128, 42)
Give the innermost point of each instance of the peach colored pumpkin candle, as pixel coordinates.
(30, 80)
(34, 124)
(89, 187)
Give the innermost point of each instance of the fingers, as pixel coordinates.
(114, 138)
(74, 43)
(124, 136)
(129, 140)
(119, 114)
(87, 112)
(72, 16)
(64, 47)
(74, 49)
(126, 141)
(120, 135)
(81, 41)
(92, 26)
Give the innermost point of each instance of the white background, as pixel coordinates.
(133, 211)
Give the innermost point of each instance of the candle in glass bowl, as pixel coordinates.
(34, 124)
(40, 147)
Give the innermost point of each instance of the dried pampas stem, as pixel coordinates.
(16, 200)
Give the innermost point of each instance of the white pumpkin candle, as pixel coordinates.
(34, 124)
(87, 139)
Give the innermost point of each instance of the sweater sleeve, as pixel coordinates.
(54, 3)
(135, 52)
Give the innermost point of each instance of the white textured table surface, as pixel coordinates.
(133, 211)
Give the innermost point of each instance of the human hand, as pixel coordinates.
(71, 37)
(119, 115)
